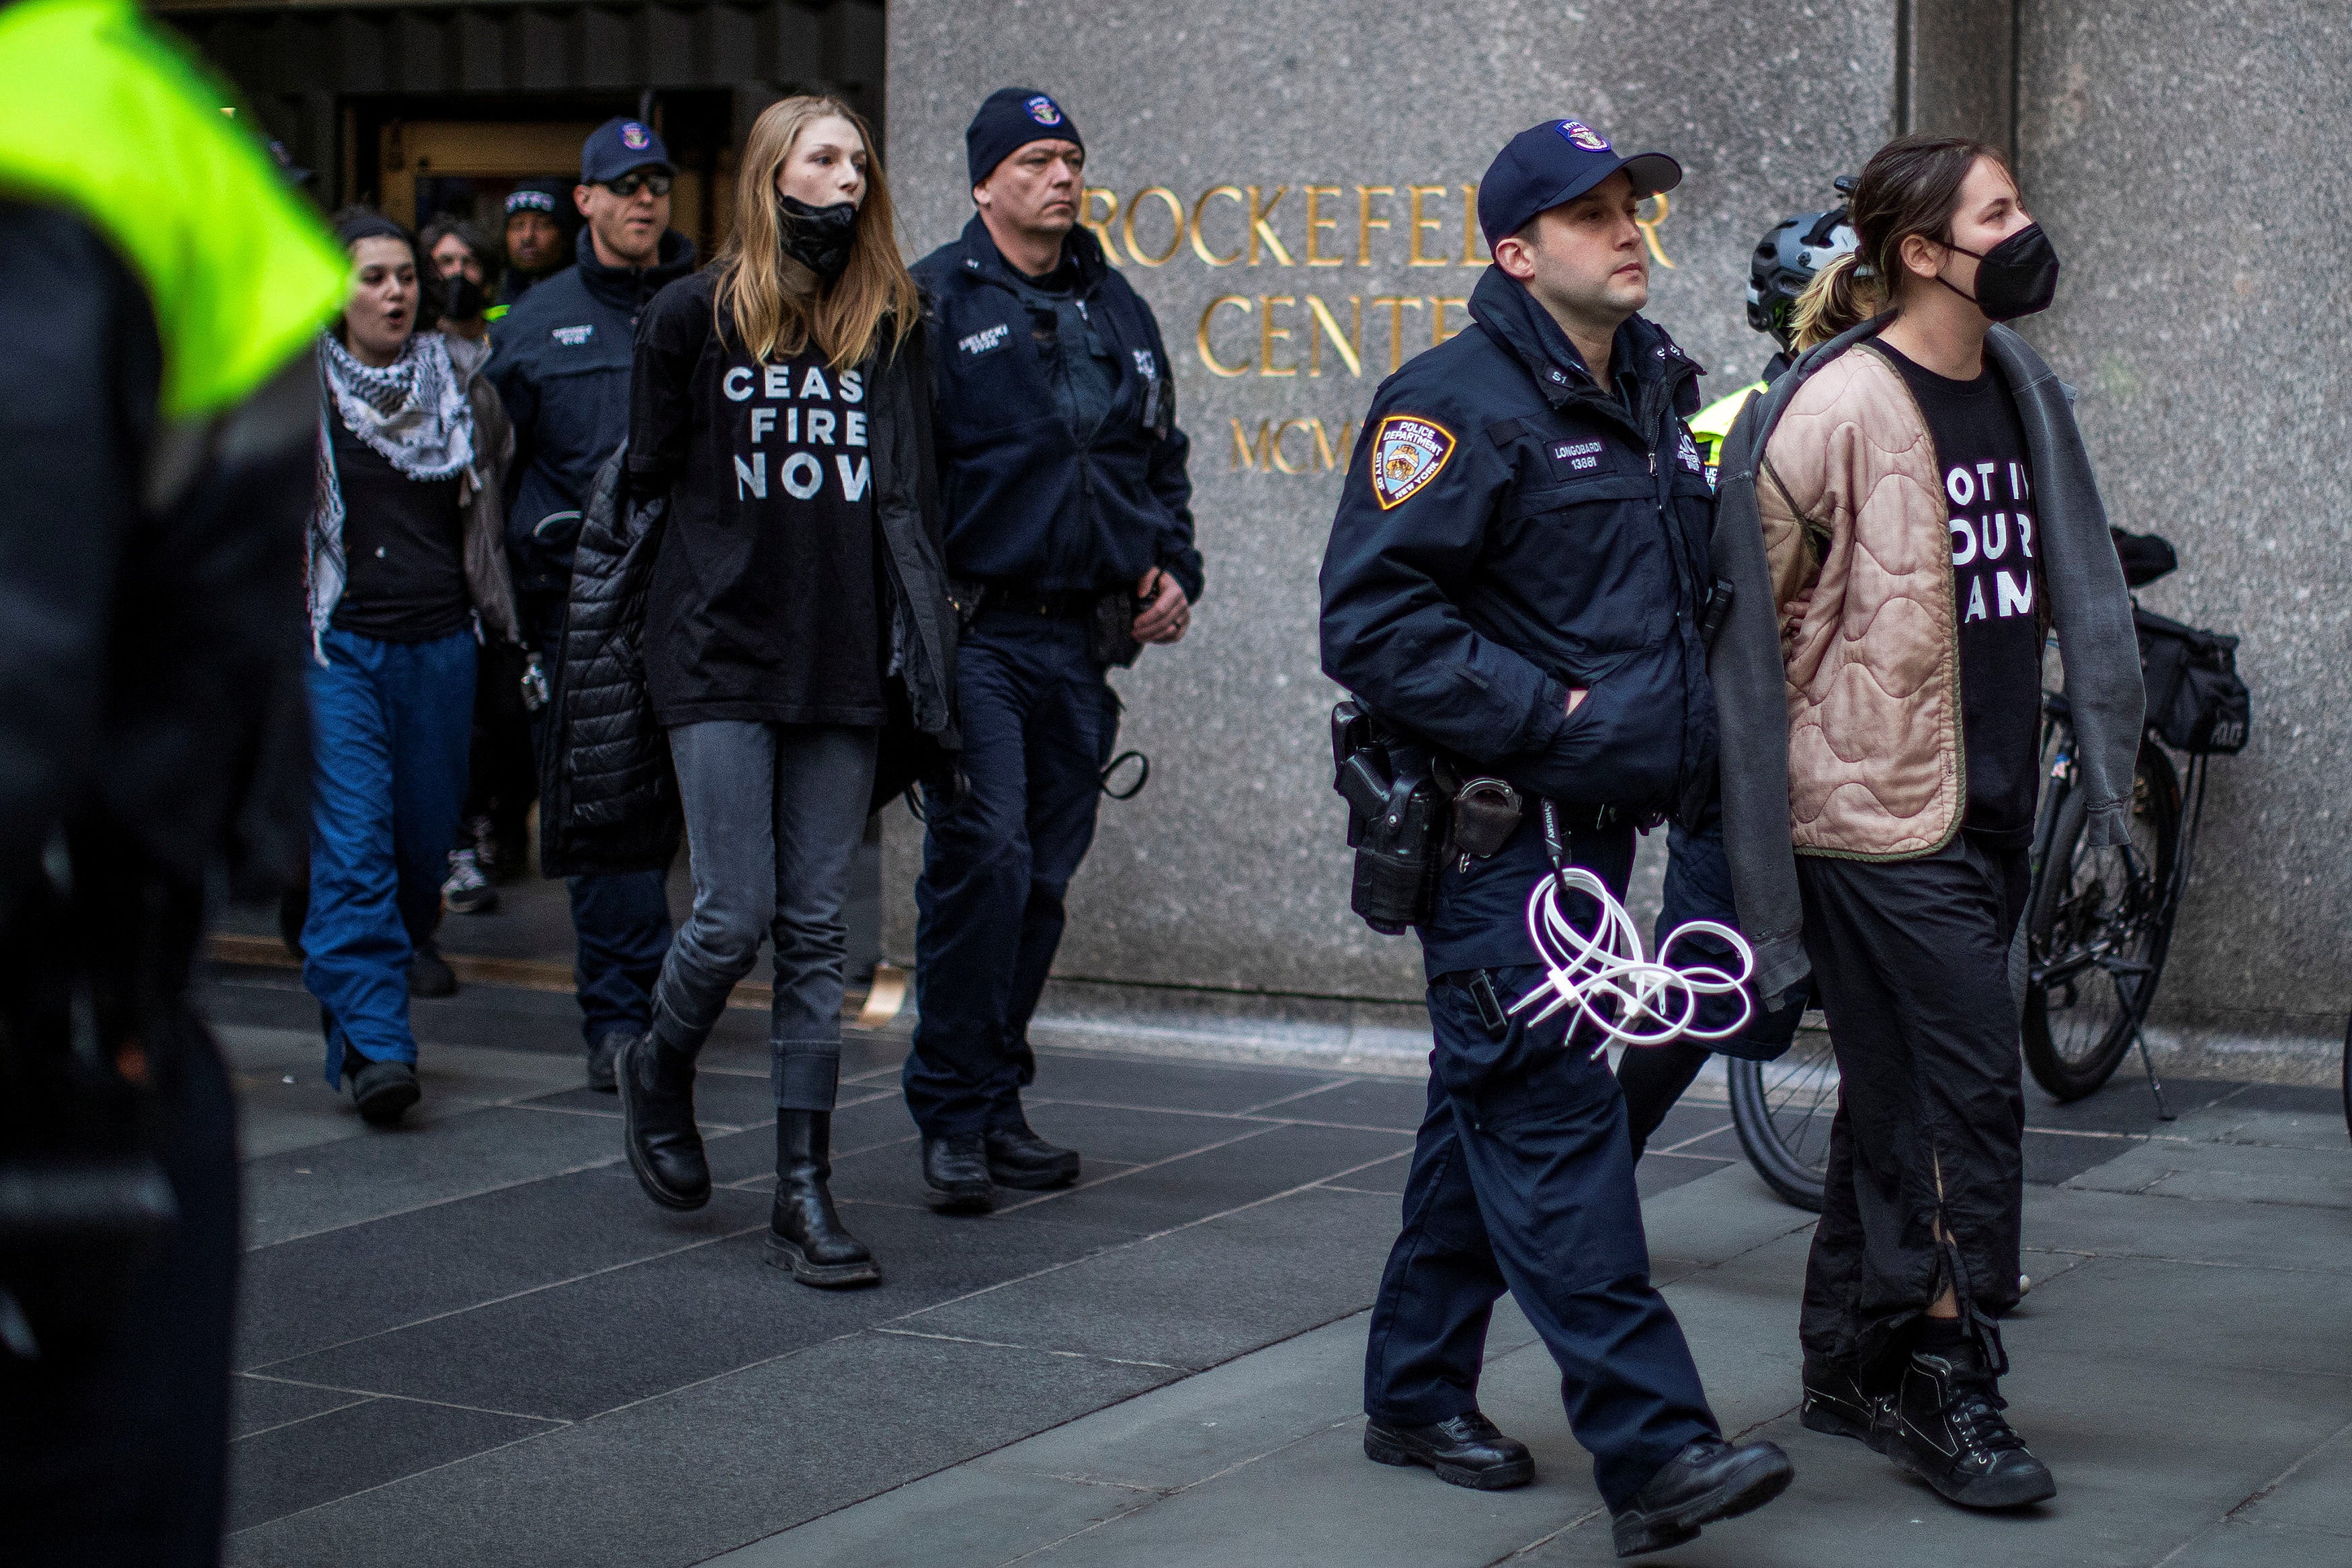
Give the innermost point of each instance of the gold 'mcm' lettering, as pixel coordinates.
(1266, 453)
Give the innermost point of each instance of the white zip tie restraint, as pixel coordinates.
(1653, 1002)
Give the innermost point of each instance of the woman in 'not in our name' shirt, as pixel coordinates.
(779, 399)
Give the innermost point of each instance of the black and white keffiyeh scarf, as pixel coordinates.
(413, 411)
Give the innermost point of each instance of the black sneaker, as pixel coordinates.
(1018, 1157)
(1944, 1425)
(1708, 1480)
(1835, 1402)
(429, 974)
(1465, 1450)
(383, 1091)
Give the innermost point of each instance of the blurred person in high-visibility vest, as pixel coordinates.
(159, 288)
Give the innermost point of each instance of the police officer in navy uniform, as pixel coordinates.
(1515, 578)
(562, 364)
(1069, 541)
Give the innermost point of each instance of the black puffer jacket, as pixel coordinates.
(608, 800)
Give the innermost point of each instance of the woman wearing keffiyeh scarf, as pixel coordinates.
(407, 574)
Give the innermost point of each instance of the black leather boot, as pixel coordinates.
(956, 1170)
(1839, 1402)
(602, 1051)
(664, 1148)
(1018, 1157)
(1708, 1480)
(1465, 1450)
(1944, 1425)
(805, 1234)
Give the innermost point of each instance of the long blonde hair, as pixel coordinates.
(778, 306)
(1910, 187)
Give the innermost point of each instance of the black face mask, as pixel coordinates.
(462, 298)
(818, 237)
(2016, 278)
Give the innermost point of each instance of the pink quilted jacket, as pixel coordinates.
(1852, 508)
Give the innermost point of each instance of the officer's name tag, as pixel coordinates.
(980, 342)
(1577, 456)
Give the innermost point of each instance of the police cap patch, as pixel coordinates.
(1407, 453)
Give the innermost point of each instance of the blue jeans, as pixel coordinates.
(773, 816)
(1039, 722)
(390, 725)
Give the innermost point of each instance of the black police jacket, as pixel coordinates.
(1509, 530)
(560, 361)
(1027, 503)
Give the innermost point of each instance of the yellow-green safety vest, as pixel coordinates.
(102, 113)
(1713, 421)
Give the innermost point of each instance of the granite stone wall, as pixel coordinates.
(2191, 163)
(1286, 182)
(1230, 869)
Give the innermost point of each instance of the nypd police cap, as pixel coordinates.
(1558, 162)
(617, 146)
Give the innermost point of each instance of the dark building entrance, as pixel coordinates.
(425, 111)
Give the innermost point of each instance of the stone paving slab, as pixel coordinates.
(473, 1341)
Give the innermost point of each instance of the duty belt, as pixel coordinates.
(1015, 599)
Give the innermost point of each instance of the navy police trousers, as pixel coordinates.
(1523, 1180)
(1039, 722)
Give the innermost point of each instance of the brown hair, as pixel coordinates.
(1910, 187)
(778, 306)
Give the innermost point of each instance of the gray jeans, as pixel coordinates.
(773, 816)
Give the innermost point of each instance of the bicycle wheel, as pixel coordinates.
(2096, 931)
(1782, 1111)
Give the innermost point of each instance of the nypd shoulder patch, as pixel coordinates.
(1407, 453)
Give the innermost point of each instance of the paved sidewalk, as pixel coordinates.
(474, 1342)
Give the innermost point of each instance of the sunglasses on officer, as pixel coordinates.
(627, 184)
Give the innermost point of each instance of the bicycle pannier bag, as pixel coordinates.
(2196, 703)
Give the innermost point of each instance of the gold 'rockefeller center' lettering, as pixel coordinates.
(1287, 332)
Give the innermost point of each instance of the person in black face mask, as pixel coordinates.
(460, 291)
(1904, 515)
(798, 601)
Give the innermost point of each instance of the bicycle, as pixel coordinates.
(2098, 920)
(1781, 1110)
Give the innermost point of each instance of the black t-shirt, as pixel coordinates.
(404, 549)
(764, 604)
(1988, 497)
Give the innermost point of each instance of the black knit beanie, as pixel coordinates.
(1013, 118)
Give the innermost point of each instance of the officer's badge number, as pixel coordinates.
(1406, 455)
